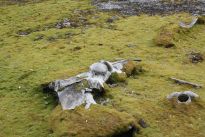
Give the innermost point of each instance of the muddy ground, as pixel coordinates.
(152, 7)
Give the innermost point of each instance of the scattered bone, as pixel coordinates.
(179, 81)
(183, 97)
(184, 25)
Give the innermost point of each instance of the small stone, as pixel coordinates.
(112, 19)
(38, 37)
(77, 48)
(131, 45)
(196, 57)
(63, 24)
(23, 33)
(142, 123)
(112, 85)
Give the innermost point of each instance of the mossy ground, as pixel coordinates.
(26, 63)
(97, 121)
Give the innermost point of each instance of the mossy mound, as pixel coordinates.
(117, 77)
(132, 68)
(97, 121)
(165, 37)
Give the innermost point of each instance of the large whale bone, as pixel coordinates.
(77, 90)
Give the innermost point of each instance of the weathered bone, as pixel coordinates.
(184, 25)
(77, 90)
(179, 81)
(190, 95)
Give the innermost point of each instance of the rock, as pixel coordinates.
(142, 123)
(97, 121)
(38, 37)
(77, 48)
(63, 24)
(112, 19)
(24, 32)
(196, 57)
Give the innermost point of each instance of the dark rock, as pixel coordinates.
(131, 130)
(196, 57)
(112, 19)
(51, 38)
(38, 37)
(142, 123)
(77, 48)
(23, 33)
(63, 24)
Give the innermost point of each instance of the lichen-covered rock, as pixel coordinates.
(98, 121)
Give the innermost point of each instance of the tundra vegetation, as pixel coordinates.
(34, 51)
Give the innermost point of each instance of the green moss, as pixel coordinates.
(25, 110)
(117, 77)
(131, 68)
(82, 85)
(97, 121)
